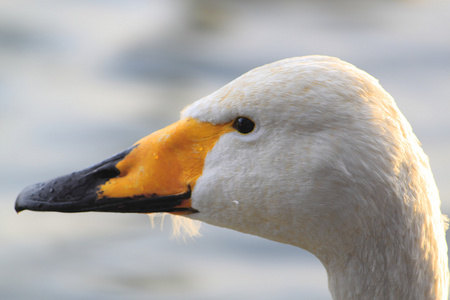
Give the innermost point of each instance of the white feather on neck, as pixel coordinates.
(181, 227)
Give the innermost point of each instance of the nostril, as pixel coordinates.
(108, 173)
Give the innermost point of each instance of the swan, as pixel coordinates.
(308, 151)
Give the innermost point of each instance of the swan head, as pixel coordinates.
(329, 154)
(309, 151)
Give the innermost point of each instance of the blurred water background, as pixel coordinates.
(82, 80)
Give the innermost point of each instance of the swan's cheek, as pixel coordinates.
(231, 190)
(214, 195)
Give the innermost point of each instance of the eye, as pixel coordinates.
(243, 125)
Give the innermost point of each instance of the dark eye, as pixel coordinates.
(243, 125)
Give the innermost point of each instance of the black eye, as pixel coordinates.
(243, 125)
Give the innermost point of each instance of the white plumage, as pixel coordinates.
(332, 167)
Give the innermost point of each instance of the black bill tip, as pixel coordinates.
(74, 192)
(23, 200)
(78, 192)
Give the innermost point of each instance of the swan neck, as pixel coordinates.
(382, 268)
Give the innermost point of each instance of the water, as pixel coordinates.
(82, 80)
